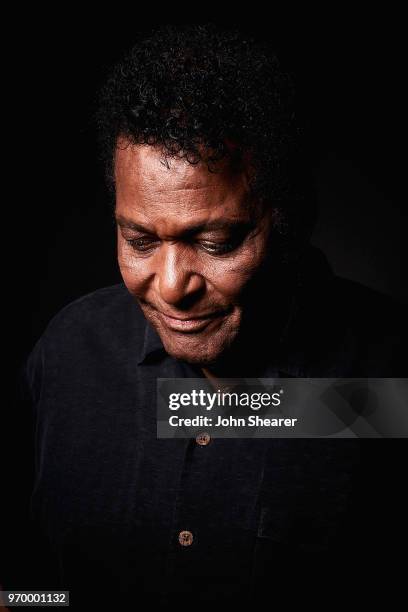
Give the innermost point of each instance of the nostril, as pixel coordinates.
(195, 284)
(180, 288)
(190, 299)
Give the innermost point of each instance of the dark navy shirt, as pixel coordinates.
(109, 500)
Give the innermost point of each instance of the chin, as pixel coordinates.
(197, 351)
(200, 349)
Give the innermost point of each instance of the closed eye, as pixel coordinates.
(217, 248)
(142, 244)
(145, 244)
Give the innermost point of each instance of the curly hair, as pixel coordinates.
(192, 91)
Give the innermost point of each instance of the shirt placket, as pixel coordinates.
(215, 517)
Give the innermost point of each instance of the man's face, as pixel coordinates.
(189, 243)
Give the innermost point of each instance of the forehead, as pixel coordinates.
(147, 183)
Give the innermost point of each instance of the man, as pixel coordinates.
(214, 214)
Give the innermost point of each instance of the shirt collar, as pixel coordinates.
(152, 345)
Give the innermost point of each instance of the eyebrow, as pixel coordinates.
(230, 224)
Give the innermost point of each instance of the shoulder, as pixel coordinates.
(346, 328)
(377, 323)
(91, 338)
(347, 298)
(367, 308)
(101, 322)
(361, 294)
(109, 307)
(92, 308)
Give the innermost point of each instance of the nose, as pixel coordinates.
(176, 279)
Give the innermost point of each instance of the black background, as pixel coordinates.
(349, 71)
(57, 220)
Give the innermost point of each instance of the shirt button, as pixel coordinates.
(185, 538)
(203, 438)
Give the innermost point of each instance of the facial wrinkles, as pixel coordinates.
(167, 202)
(181, 274)
(162, 214)
(239, 264)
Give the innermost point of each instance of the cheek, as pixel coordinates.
(231, 276)
(134, 270)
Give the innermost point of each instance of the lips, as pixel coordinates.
(191, 325)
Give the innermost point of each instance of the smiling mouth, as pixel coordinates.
(192, 325)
